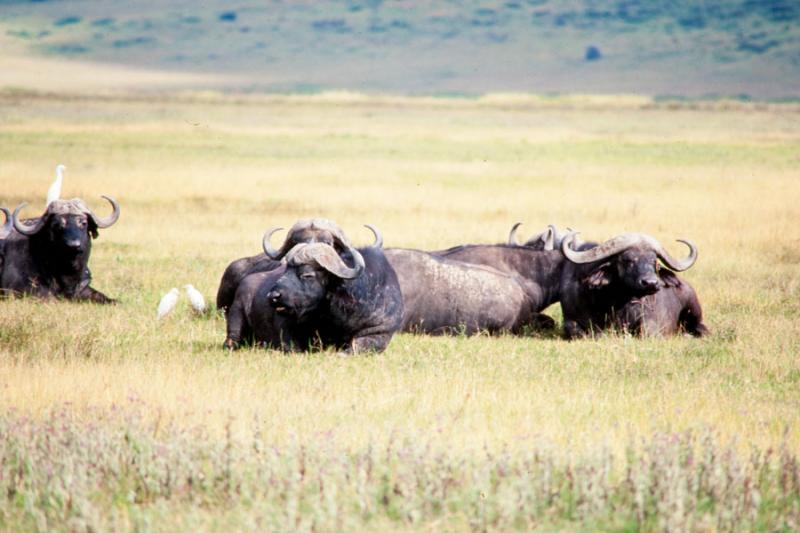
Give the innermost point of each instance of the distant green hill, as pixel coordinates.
(683, 48)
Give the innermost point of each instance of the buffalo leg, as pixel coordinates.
(95, 296)
(691, 320)
(237, 328)
(369, 343)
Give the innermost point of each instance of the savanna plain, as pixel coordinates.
(110, 419)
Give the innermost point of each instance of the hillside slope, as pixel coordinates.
(727, 47)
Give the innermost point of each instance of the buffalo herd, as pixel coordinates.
(317, 290)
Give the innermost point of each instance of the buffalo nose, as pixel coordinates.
(649, 283)
(73, 243)
(273, 296)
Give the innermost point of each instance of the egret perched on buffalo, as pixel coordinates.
(54, 192)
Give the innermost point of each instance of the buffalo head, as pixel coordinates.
(308, 230)
(67, 226)
(312, 268)
(629, 261)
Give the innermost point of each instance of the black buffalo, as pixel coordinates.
(620, 282)
(305, 230)
(49, 255)
(248, 322)
(316, 297)
(442, 295)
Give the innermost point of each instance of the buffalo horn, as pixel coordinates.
(549, 237)
(675, 264)
(378, 236)
(326, 257)
(24, 228)
(621, 243)
(111, 219)
(512, 235)
(271, 252)
(8, 223)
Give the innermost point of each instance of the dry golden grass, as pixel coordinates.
(200, 178)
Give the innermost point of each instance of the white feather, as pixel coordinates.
(195, 298)
(167, 303)
(54, 192)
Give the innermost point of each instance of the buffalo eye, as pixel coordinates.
(307, 275)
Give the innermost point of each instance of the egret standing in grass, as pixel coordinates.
(167, 303)
(196, 299)
(54, 192)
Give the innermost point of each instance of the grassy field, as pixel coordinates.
(110, 419)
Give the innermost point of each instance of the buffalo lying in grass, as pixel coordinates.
(49, 255)
(305, 230)
(619, 282)
(442, 295)
(536, 266)
(315, 296)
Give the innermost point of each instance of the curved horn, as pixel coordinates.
(512, 235)
(23, 228)
(675, 264)
(611, 247)
(271, 252)
(111, 219)
(576, 241)
(378, 237)
(8, 223)
(549, 237)
(326, 257)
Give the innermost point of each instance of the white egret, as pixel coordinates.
(54, 192)
(196, 299)
(167, 303)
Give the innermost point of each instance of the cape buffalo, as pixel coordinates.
(305, 230)
(672, 310)
(248, 323)
(441, 295)
(619, 282)
(536, 265)
(316, 296)
(49, 255)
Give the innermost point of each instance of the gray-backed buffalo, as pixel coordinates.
(304, 230)
(442, 295)
(536, 266)
(49, 255)
(316, 297)
(620, 282)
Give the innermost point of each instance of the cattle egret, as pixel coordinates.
(167, 303)
(54, 192)
(196, 299)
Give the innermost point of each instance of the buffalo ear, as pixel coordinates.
(92, 228)
(668, 278)
(599, 277)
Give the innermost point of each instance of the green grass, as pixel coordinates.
(456, 411)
